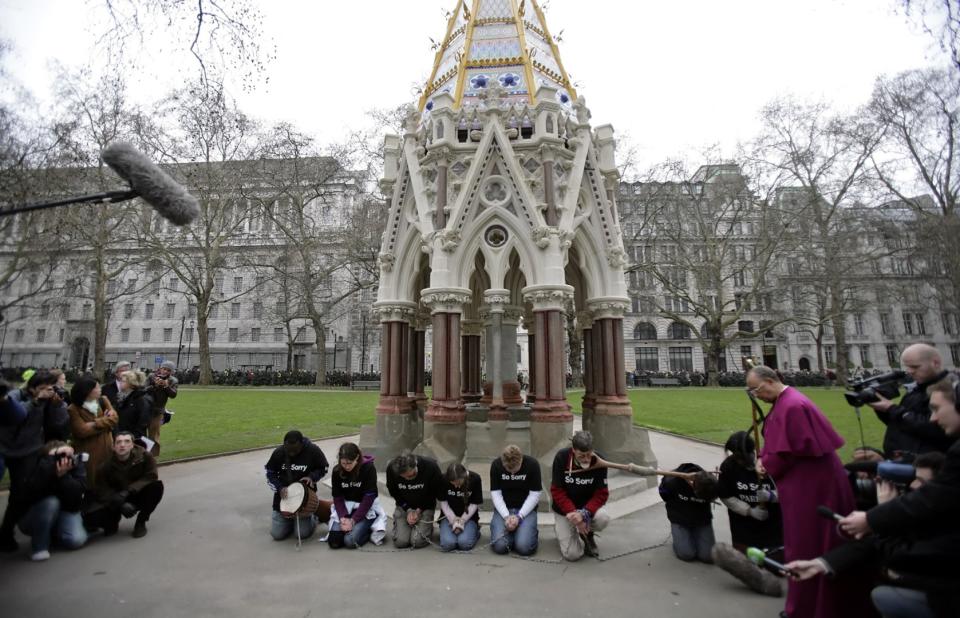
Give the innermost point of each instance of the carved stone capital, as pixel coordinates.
(394, 311)
(608, 307)
(512, 314)
(497, 298)
(616, 257)
(584, 320)
(445, 300)
(386, 261)
(548, 297)
(449, 240)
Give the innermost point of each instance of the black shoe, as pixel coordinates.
(9, 544)
(140, 529)
(590, 545)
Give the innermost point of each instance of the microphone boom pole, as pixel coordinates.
(108, 197)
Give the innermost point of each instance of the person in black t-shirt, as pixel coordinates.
(414, 483)
(688, 501)
(354, 492)
(461, 495)
(297, 460)
(754, 513)
(515, 488)
(579, 491)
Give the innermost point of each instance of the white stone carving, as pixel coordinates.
(387, 261)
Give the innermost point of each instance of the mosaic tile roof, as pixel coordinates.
(491, 41)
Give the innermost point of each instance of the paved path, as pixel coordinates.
(208, 553)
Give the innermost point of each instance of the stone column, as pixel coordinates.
(420, 351)
(530, 324)
(508, 350)
(444, 429)
(585, 323)
(396, 425)
(615, 436)
(495, 304)
(470, 360)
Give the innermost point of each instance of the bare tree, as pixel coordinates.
(941, 20)
(209, 144)
(703, 247)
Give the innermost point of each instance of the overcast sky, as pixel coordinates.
(674, 76)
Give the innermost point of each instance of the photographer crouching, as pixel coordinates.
(909, 430)
(925, 573)
(47, 507)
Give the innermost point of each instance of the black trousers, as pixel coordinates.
(14, 510)
(108, 516)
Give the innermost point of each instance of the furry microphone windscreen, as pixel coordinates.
(156, 188)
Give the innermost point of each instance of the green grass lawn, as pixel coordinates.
(714, 413)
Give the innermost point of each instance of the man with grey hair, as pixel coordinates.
(162, 386)
(579, 491)
(909, 430)
(111, 390)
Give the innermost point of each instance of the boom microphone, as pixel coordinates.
(151, 183)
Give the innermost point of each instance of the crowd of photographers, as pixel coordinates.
(77, 461)
(904, 529)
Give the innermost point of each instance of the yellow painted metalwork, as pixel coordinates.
(467, 42)
(525, 53)
(556, 52)
(427, 90)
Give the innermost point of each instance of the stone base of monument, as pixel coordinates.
(619, 441)
(390, 436)
(445, 442)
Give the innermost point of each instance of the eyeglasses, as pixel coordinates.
(754, 391)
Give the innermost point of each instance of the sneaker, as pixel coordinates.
(590, 545)
(140, 530)
(9, 544)
(40, 556)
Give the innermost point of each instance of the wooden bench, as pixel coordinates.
(664, 382)
(365, 385)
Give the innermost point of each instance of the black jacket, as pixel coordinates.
(111, 392)
(909, 428)
(135, 412)
(39, 480)
(43, 421)
(283, 470)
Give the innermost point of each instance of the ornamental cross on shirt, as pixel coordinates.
(515, 486)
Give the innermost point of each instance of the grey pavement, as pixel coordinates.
(209, 553)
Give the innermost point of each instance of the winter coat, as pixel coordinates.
(93, 435)
(135, 412)
(132, 475)
(43, 421)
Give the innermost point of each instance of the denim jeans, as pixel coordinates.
(45, 521)
(357, 537)
(693, 543)
(523, 540)
(896, 602)
(464, 541)
(282, 527)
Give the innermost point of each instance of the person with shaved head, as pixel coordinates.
(909, 430)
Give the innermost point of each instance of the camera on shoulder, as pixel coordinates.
(869, 390)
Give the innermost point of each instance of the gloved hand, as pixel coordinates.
(767, 495)
(128, 510)
(758, 513)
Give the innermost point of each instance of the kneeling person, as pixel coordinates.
(688, 496)
(298, 460)
(414, 483)
(515, 488)
(460, 500)
(579, 491)
(127, 485)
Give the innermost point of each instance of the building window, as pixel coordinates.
(647, 359)
(681, 359)
(255, 335)
(167, 335)
(44, 311)
(214, 312)
(41, 335)
(278, 335)
(192, 310)
(921, 324)
(124, 335)
(218, 284)
(171, 309)
(148, 311)
(955, 354)
(145, 336)
(60, 337)
(18, 335)
(745, 326)
(858, 323)
(189, 335)
(746, 351)
(85, 312)
(237, 284)
(828, 354)
(678, 331)
(211, 334)
(233, 335)
(949, 323)
(127, 311)
(235, 311)
(257, 310)
(173, 283)
(645, 331)
(739, 279)
(885, 323)
(907, 322)
(893, 355)
(64, 311)
(865, 356)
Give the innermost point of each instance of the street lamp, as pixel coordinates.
(190, 343)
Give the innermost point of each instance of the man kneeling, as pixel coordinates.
(414, 483)
(579, 491)
(127, 485)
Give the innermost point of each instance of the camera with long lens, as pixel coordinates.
(77, 458)
(900, 474)
(869, 390)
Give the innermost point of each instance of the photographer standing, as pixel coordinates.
(161, 386)
(45, 419)
(909, 430)
(52, 482)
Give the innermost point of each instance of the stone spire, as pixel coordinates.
(491, 43)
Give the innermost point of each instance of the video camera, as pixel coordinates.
(868, 390)
(900, 474)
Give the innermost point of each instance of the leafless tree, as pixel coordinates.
(941, 20)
